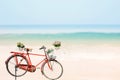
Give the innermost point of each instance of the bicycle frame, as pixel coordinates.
(27, 56)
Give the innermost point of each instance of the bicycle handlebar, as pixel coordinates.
(43, 47)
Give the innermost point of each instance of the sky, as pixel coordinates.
(42, 12)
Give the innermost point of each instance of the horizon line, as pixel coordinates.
(59, 32)
(51, 24)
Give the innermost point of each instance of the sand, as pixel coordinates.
(79, 62)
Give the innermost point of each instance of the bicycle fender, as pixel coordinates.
(12, 56)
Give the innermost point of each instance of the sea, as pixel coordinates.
(76, 38)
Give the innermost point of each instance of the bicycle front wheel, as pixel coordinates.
(13, 68)
(52, 70)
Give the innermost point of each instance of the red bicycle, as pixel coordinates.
(21, 61)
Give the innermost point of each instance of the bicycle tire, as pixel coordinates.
(51, 75)
(12, 67)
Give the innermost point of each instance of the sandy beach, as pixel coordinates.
(100, 62)
(88, 30)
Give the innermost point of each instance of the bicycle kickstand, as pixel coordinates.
(15, 73)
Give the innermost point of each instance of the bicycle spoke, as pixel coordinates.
(51, 65)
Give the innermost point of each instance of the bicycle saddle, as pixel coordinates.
(27, 49)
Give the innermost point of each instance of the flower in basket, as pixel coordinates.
(20, 45)
(57, 44)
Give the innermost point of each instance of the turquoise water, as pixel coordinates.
(58, 28)
(80, 37)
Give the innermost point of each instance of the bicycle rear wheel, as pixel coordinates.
(12, 66)
(52, 69)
